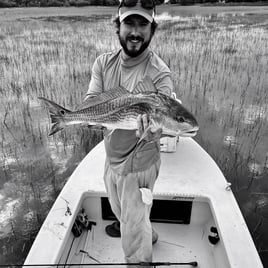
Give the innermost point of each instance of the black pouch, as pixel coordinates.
(77, 228)
(81, 222)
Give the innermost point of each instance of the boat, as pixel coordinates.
(194, 212)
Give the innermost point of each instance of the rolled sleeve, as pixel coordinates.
(164, 84)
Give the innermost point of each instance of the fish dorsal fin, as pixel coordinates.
(104, 97)
(145, 86)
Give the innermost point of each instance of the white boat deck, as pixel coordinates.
(178, 245)
(188, 174)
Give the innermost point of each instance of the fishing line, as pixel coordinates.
(69, 251)
(154, 264)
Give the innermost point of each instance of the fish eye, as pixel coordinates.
(62, 112)
(180, 119)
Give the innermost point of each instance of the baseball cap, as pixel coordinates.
(144, 8)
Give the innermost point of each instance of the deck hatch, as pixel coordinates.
(169, 211)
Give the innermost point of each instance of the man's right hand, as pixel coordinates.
(145, 130)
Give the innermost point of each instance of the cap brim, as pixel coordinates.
(135, 12)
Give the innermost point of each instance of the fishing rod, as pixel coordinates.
(154, 264)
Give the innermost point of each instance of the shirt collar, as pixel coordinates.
(128, 61)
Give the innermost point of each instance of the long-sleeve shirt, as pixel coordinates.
(111, 70)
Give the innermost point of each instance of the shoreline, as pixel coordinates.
(9, 14)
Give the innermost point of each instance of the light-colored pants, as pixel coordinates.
(126, 202)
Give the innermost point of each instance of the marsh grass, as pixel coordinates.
(219, 68)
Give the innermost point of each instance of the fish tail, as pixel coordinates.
(57, 115)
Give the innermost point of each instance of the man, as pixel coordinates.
(132, 165)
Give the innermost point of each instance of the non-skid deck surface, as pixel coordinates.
(176, 243)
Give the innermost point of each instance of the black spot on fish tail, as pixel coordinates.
(55, 118)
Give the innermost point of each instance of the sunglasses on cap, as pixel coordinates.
(146, 4)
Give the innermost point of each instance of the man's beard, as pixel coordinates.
(133, 53)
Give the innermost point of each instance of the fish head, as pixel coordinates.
(175, 119)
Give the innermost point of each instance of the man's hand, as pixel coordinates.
(145, 130)
(143, 123)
